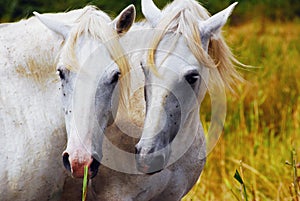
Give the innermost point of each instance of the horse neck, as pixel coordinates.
(30, 47)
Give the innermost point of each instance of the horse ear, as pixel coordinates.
(124, 20)
(55, 26)
(211, 27)
(151, 12)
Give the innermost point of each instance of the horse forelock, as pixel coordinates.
(88, 23)
(183, 17)
(97, 25)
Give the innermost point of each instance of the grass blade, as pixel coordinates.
(85, 183)
(238, 177)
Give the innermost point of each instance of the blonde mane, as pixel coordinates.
(96, 24)
(182, 17)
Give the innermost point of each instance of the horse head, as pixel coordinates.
(90, 66)
(178, 68)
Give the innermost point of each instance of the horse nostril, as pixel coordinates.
(66, 162)
(94, 168)
(137, 151)
(152, 150)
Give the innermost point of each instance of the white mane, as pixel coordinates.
(182, 17)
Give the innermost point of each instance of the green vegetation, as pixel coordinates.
(85, 183)
(262, 130)
(238, 177)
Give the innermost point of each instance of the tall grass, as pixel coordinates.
(262, 125)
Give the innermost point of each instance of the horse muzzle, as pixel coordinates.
(149, 163)
(76, 165)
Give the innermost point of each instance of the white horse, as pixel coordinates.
(189, 51)
(187, 55)
(32, 123)
(91, 57)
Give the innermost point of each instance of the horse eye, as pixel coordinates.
(115, 77)
(192, 78)
(60, 73)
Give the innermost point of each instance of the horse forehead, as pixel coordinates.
(176, 57)
(92, 52)
(85, 45)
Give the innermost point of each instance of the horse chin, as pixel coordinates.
(154, 169)
(152, 173)
(148, 170)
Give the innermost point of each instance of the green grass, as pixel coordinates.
(85, 183)
(262, 125)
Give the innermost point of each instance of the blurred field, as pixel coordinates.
(262, 125)
(246, 10)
